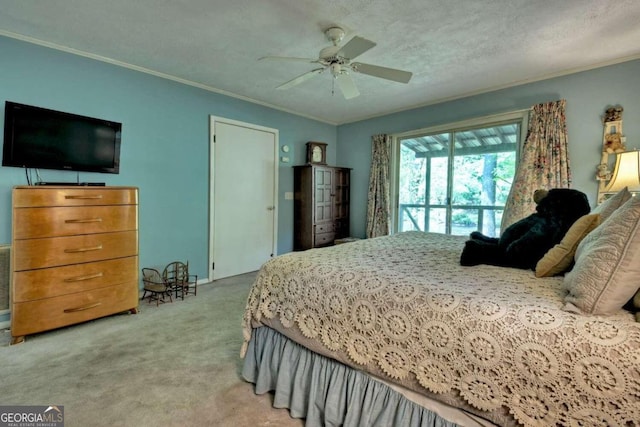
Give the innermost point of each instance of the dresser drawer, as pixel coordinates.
(30, 223)
(55, 281)
(35, 316)
(324, 239)
(74, 196)
(56, 251)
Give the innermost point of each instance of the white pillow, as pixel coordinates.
(607, 264)
(606, 208)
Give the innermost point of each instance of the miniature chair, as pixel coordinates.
(154, 284)
(176, 275)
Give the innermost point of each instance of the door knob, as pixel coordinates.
(271, 208)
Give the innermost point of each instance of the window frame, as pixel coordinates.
(486, 121)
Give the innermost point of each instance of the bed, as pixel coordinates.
(393, 331)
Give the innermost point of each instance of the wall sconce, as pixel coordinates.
(626, 173)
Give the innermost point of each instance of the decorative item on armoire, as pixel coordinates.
(316, 153)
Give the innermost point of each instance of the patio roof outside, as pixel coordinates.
(493, 139)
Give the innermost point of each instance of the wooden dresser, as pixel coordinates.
(74, 256)
(321, 205)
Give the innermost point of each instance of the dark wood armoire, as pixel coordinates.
(321, 205)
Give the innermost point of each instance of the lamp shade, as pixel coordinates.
(626, 173)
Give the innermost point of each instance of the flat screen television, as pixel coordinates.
(37, 137)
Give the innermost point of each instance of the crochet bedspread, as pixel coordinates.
(496, 338)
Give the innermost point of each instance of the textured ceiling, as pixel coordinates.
(453, 47)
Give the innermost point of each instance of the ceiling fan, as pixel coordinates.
(338, 59)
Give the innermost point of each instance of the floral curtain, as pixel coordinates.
(378, 215)
(544, 161)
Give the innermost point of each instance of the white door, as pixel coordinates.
(244, 197)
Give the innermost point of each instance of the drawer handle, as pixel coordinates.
(76, 250)
(82, 220)
(84, 307)
(83, 197)
(81, 278)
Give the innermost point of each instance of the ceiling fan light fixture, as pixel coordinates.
(329, 53)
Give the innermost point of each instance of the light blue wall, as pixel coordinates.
(587, 93)
(165, 136)
(165, 143)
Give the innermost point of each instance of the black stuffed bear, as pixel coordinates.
(524, 243)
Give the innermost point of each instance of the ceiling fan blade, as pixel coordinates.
(355, 47)
(347, 86)
(287, 58)
(300, 79)
(382, 72)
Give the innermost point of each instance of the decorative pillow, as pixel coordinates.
(607, 269)
(606, 208)
(559, 258)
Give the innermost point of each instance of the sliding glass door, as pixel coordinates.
(456, 181)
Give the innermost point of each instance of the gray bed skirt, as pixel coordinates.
(326, 392)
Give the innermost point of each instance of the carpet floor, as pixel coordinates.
(173, 365)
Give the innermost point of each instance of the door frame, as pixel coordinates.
(276, 136)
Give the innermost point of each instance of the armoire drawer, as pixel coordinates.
(324, 227)
(38, 315)
(324, 239)
(56, 281)
(73, 196)
(55, 251)
(31, 223)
